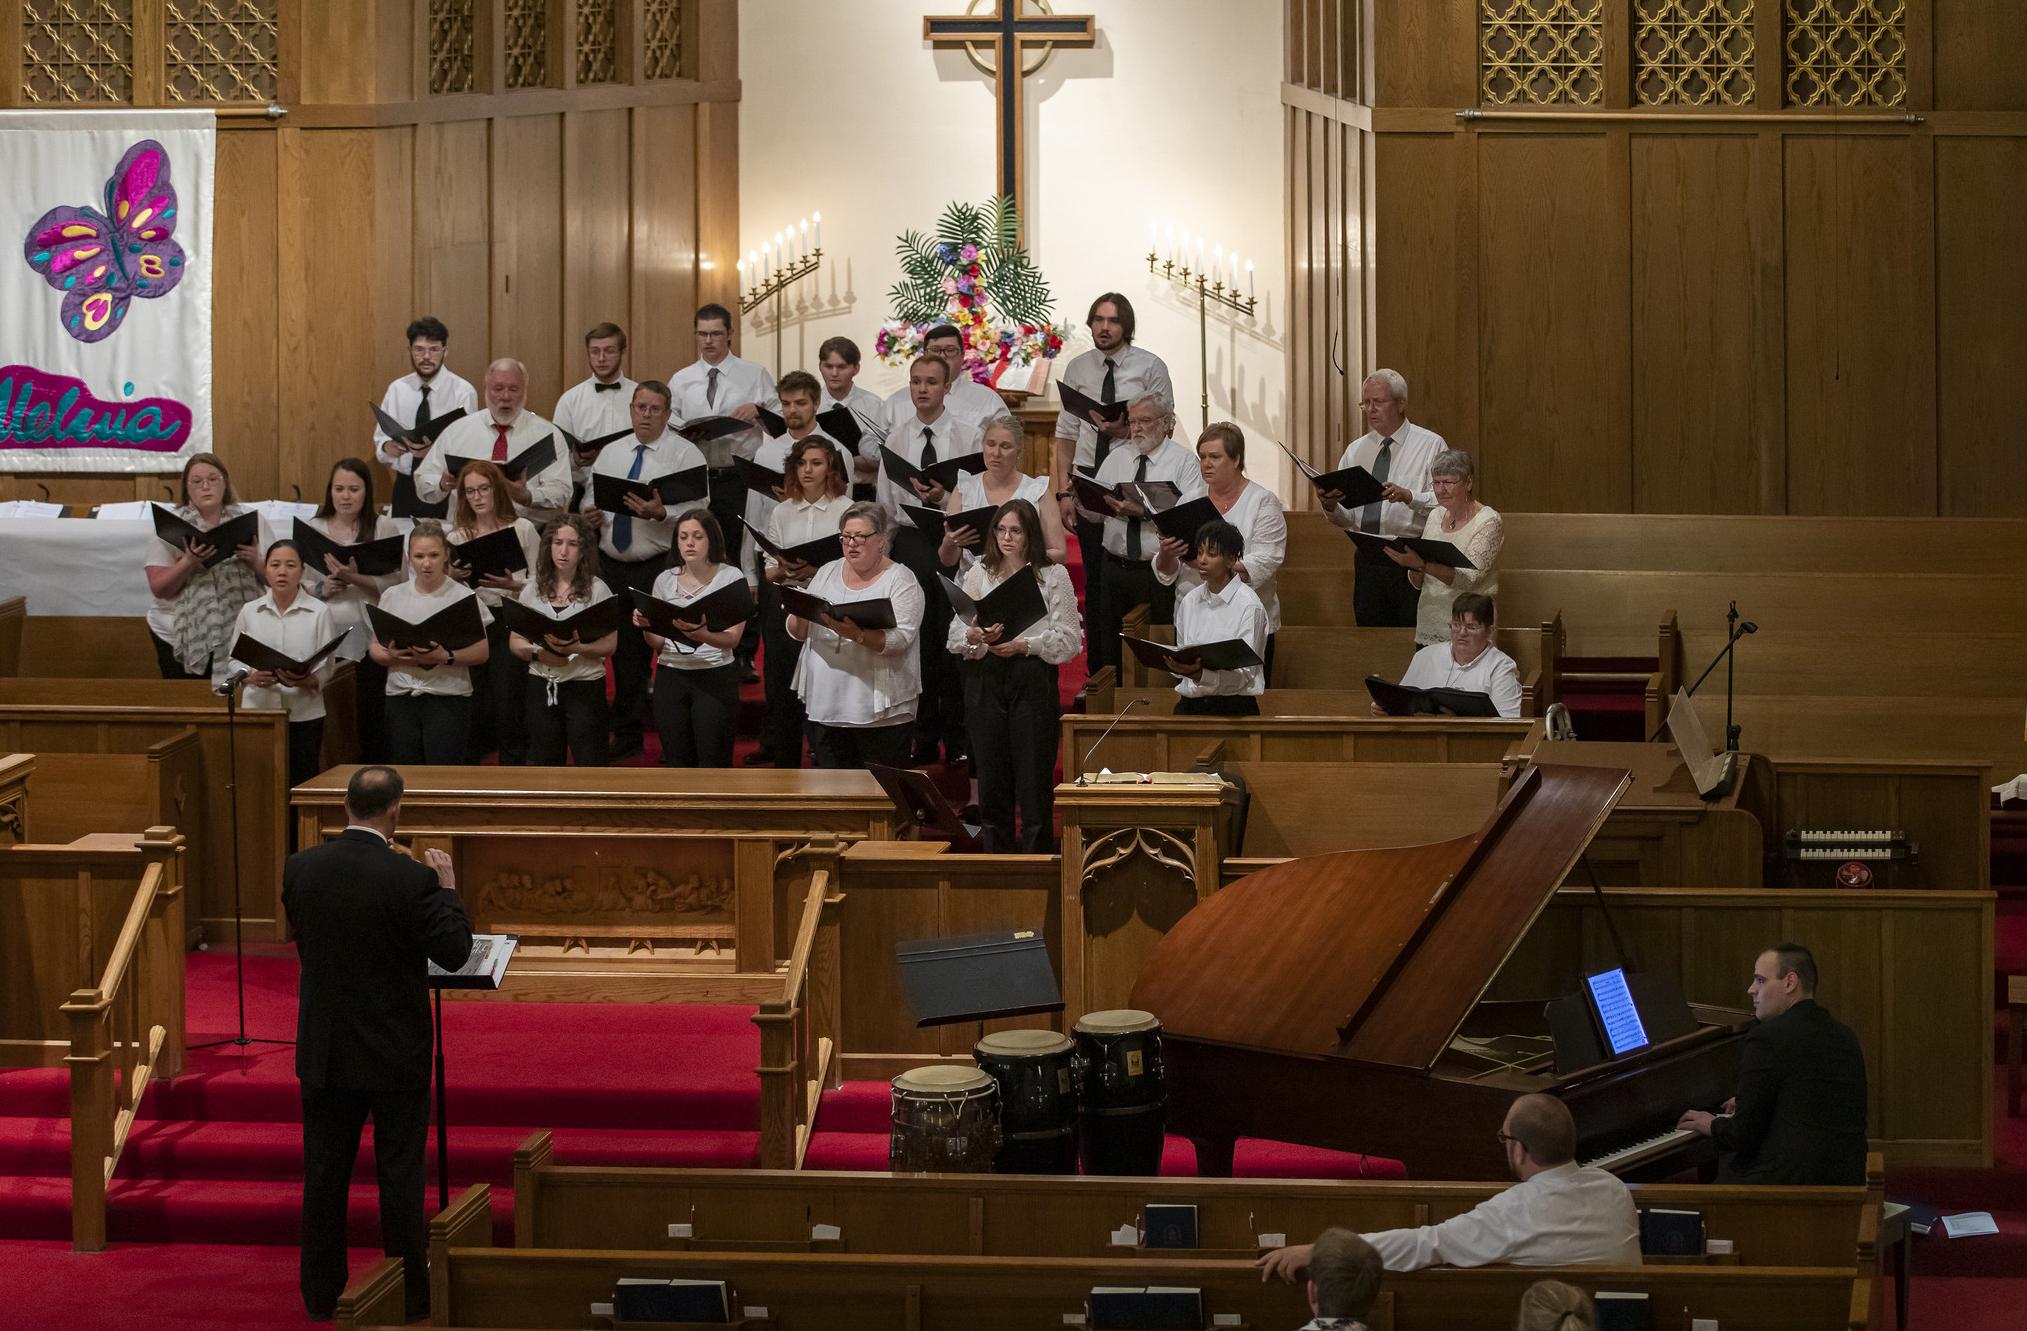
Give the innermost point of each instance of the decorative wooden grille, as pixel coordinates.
(451, 45)
(1846, 53)
(527, 43)
(1541, 51)
(662, 38)
(597, 41)
(220, 50)
(1693, 52)
(77, 51)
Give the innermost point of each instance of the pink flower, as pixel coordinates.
(949, 286)
(968, 253)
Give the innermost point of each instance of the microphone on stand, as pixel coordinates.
(228, 686)
(1084, 777)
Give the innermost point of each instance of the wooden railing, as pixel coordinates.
(799, 1030)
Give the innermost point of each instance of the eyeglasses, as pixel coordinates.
(1466, 626)
(855, 537)
(1505, 1139)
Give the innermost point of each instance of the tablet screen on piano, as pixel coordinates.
(1618, 1016)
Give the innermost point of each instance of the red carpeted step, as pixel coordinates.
(202, 1211)
(1253, 1159)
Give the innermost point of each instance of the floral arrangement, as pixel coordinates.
(974, 276)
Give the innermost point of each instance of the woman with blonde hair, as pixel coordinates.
(1551, 1305)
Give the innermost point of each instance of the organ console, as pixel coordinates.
(1339, 1001)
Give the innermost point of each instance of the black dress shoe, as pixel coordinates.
(923, 754)
(748, 674)
(626, 746)
(761, 758)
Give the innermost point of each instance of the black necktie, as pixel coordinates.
(1132, 524)
(612, 387)
(1109, 392)
(928, 448)
(1368, 517)
(711, 389)
(422, 412)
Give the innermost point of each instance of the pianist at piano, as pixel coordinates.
(1560, 1213)
(1799, 1115)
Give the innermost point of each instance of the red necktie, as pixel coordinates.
(500, 442)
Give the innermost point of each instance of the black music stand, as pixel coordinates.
(485, 968)
(979, 977)
(923, 806)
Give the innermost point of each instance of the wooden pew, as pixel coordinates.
(13, 615)
(1011, 1215)
(77, 794)
(474, 1284)
(16, 769)
(82, 716)
(1143, 743)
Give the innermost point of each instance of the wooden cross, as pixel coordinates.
(1012, 35)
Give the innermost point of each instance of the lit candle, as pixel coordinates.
(1168, 237)
(818, 237)
(741, 266)
(1200, 256)
(802, 234)
(1249, 279)
(1152, 233)
(766, 260)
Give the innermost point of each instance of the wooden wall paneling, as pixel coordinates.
(1697, 439)
(597, 232)
(1306, 392)
(717, 205)
(1317, 332)
(1330, 68)
(1931, 974)
(1427, 53)
(527, 206)
(1977, 55)
(397, 213)
(344, 49)
(245, 311)
(1421, 326)
(664, 277)
(453, 230)
(1981, 320)
(1861, 431)
(1552, 344)
(1293, 14)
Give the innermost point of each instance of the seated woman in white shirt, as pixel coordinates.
(696, 693)
(1474, 528)
(1001, 482)
(860, 686)
(1468, 660)
(816, 499)
(484, 504)
(194, 606)
(1219, 608)
(429, 691)
(299, 626)
(565, 704)
(1012, 700)
(1248, 505)
(348, 517)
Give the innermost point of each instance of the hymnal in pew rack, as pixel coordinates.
(224, 539)
(877, 613)
(1429, 548)
(729, 605)
(1229, 654)
(608, 493)
(1013, 607)
(585, 625)
(1407, 700)
(251, 651)
(539, 456)
(453, 628)
(373, 559)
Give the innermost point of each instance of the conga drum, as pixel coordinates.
(1036, 1075)
(945, 1121)
(1122, 1092)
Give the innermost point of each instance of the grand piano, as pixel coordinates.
(1339, 1001)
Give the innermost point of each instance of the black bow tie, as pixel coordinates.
(612, 387)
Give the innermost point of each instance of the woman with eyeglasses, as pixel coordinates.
(1248, 505)
(860, 685)
(696, 692)
(1474, 528)
(485, 505)
(1468, 660)
(196, 601)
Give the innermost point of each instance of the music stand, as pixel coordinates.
(485, 968)
(979, 977)
(920, 803)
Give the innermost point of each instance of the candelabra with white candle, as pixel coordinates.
(793, 253)
(1215, 281)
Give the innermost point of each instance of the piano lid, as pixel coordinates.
(1375, 955)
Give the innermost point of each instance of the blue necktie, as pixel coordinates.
(622, 523)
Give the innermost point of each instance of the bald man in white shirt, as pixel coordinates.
(501, 433)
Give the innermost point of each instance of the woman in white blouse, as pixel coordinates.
(429, 693)
(1000, 482)
(566, 707)
(195, 606)
(1472, 527)
(696, 693)
(1012, 699)
(860, 685)
(815, 503)
(348, 517)
(1248, 505)
(297, 626)
(485, 505)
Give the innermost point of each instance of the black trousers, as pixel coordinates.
(408, 504)
(855, 746)
(428, 728)
(1128, 582)
(369, 698)
(631, 707)
(728, 504)
(166, 662)
(1013, 708)
(939, 714)
(697, 715)
(781, 731)
(306, 750)
(499, 707)
(579, 724)
(1381, 596)
(333, 1118)
(1091, 545)
(1219, 704)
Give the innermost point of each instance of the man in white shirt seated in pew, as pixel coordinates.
(1559, 1214)
(1344, 1280)
(1468, 661)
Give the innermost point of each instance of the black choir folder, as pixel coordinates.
(1144, 1308)
(707, 429)
(1428, 547)
(1406, 700)
(422, 433)
(837, 424)
(375, 559)
(495, 552)
(729, 605)
(1356, 486)
(591, 448)
(1013, 607)
(1622, 1311)
(485, 968)
(660, 1299)
(877, 613)
(817, 553)
(1184, 521)
(224, 539)
(1670, 1233)
(944, 473)
(586, 625)
(760, 479)
(535, 457)
(1230, 654)
(1154, 496)
(251, 651)
(1087, 408)
(455, 627)
(677, 487)
(932, 522)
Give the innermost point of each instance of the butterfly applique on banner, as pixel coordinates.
(101, 261)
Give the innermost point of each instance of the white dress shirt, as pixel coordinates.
(1481, 540)
(346, 602)
(740, 383)
(1202, 616)
(952, 435)
(472, 437)
(590, 414)
(403, 401)
(1492, 673)
(847, 684)
(649, 539)
(796, 521)
(692, 655)
(1565, 1216)
(1135, 372)
(868, 408)
(580, 666)
(1258, 515)
(1168, 460)
(531, 546)
(1054, 639)
(967, 398)
(1414, 449)
(298, 631)
(773, 454)
(409, 602)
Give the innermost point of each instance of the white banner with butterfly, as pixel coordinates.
(105, 351)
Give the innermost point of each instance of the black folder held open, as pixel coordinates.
(251, 651)
(1229, 654)
(1356, 486)
(1013, 607)
(707, 429)
(609, 493)
(1429, 548)
(585, 625)
(589, 449)
(944, 473)
(932, 522)
(496, 552)
(1184, 521)
(877, 613)
(729, 605)
(535, 457)
(454, 627)
(1087, 408)
(224, 539)
(420, 435)
(374, 559)
(1406, 700)
(816, 553)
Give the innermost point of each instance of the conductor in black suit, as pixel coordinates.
(366, 920)
(1799, 1115)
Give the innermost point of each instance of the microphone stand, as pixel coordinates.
(1734, 630)
(1083, 777)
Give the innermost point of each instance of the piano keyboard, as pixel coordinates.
(1640, 1152)
(1847, 843)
